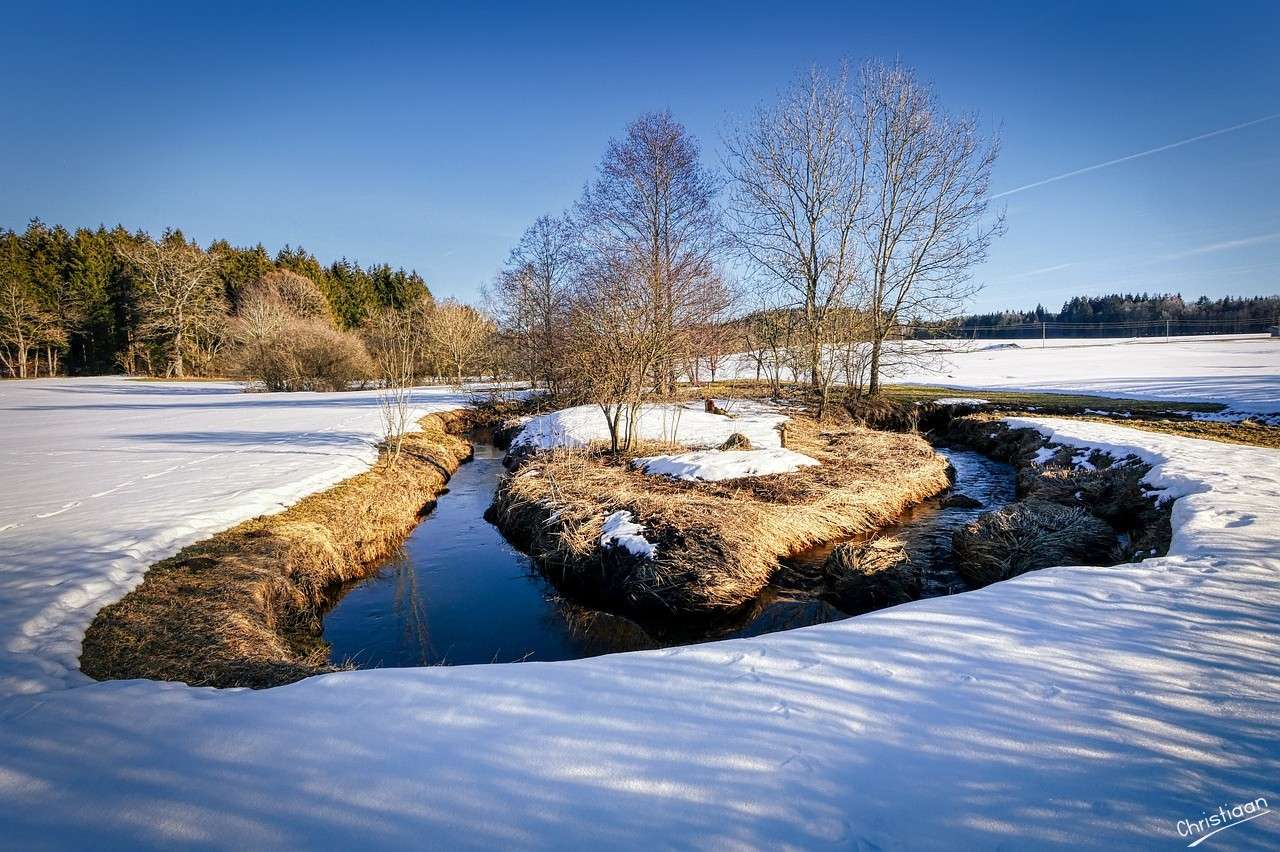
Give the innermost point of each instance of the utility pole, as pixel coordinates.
(1166, 329)
(1043, 324)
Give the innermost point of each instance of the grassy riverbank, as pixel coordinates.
(242, 608)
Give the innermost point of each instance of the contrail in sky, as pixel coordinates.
(1137, 155)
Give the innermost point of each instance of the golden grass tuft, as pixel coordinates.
(243, 608)
(718, 542)
(1029, 535)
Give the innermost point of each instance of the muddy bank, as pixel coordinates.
(716, 543)
(242, 608)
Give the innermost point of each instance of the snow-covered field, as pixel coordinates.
(1071, 707)
(1240, 371)
(102, 477)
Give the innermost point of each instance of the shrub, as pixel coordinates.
(1030, 535)
(285, 339)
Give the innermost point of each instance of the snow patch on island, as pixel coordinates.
(686, 424)
(961, 400)
(718, 465)
(621, 531)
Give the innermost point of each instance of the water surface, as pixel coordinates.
(459, 593)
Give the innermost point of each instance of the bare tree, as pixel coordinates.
(396, 340)
(531, 297)
(181, 299)
(927, 224)
(25, 328)
(798, 186)
(614, 349)
(458, 335)
(769, 332)
(651, 210)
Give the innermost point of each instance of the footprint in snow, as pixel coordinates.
(798, 761)
(1045, 691)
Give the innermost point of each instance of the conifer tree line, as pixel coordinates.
(1121, 314)
(110, 300)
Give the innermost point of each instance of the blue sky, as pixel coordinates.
(429, 136)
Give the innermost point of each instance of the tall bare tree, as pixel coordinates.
(531, 297)
(798, 172)
(927, 223)
(458, 335)
(651, 210)
(181, 298)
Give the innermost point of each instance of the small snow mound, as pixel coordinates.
(1043, 455)
(961, 400)
(687, 424)
(718, 465)
(620, 531)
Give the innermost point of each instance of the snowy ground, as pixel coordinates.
(1072, 707)
(102, 477)
(1240, 371)
(686, 424)
(719, 465)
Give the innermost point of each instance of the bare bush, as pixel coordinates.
(285, 339)
(396, 340)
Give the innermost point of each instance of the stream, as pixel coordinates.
(458, 592)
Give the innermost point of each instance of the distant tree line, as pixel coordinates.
(111, 300)
(1119, 315)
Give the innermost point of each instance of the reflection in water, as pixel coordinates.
(459, 593)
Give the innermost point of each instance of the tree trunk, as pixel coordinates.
(873, 384)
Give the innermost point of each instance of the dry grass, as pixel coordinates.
(873, 574)
(1028, 535)
(1113, 491)
(718, 542)
(243, 607)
